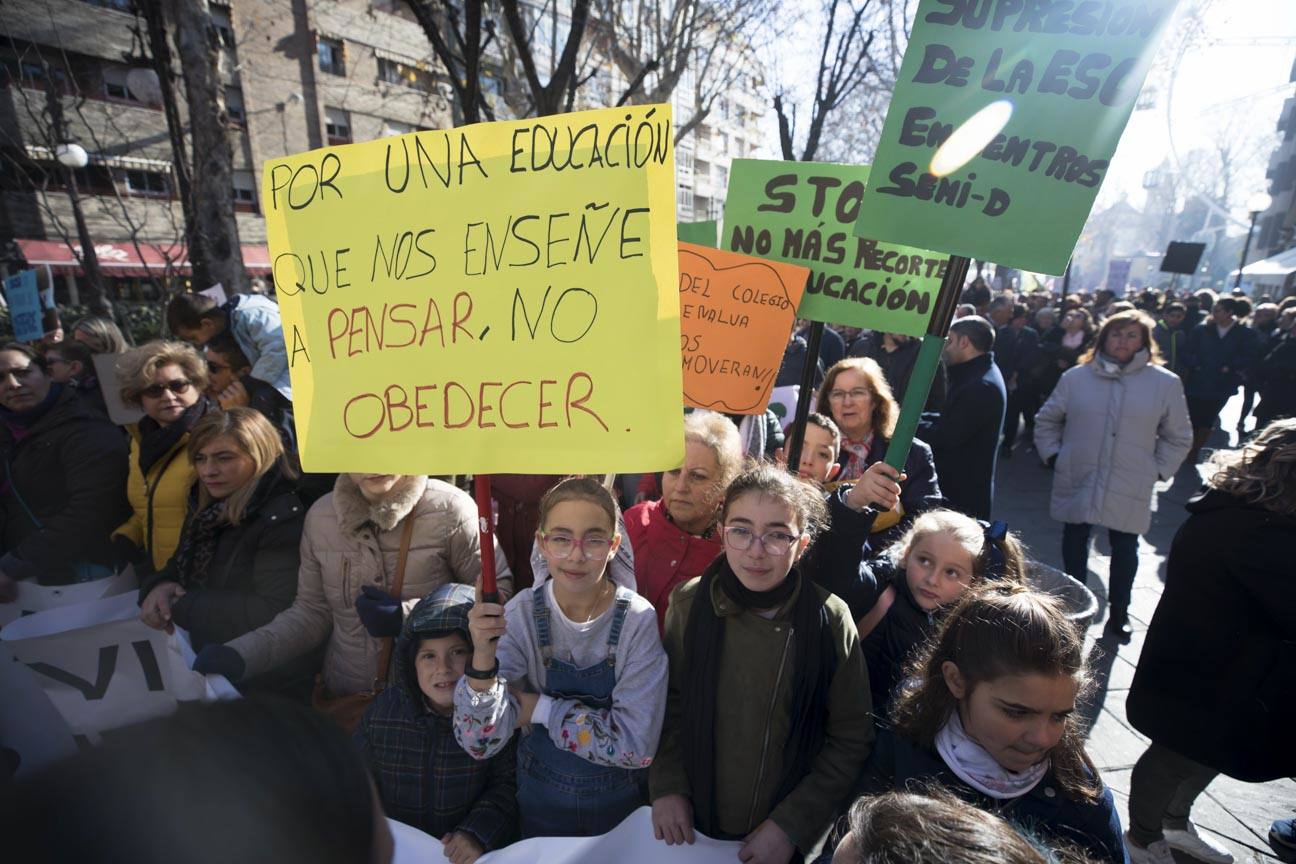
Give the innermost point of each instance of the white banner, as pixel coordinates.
(631, 842)
(34, 598)
(102, 668)
(783, 402)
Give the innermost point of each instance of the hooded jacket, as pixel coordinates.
(753, 717)
(425, 779)
(1116, 430)
(1216, 680)
(964, 438)
(62, 492)
(349, 542)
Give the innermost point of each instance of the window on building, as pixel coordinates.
(244, 191)
(148, 184)
(119, 5)
(684, 199)
(332, 55)
(234, 106)
(94, 180)
(337, 123)
(396, 127)
(405, 75)
(33, 74)
(114, 84)
(224, 24)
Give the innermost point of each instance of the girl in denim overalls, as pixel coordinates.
(578, 666)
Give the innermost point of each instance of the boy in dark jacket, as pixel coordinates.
(425, 779)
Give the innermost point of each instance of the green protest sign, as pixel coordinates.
(1069, 72)
(702, 233)
(804, 213)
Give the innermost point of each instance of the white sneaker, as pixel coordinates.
(1154, 853)
(1202, 848)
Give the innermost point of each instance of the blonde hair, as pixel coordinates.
(105, 337)
(252, 433)
(970, 535)
(885, 409)
(1263, 471)
(135, 369)
(719, 433)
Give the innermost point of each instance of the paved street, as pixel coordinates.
(1237, 813)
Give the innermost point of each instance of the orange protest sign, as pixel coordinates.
(736, 312)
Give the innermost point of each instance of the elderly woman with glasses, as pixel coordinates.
(64, 478)
(856, 395)
(166, 381)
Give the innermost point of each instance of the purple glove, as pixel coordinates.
(379, 612)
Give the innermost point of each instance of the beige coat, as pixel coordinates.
(349, 542)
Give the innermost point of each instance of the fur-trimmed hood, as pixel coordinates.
(354, 510)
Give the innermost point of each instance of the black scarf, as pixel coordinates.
(815, 658)
(197, 547)
(157, 440)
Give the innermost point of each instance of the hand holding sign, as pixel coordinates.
(735, 316)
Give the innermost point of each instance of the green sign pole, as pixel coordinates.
(929, 354)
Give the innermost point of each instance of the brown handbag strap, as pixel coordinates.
(384, 659)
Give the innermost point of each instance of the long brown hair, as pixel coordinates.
(1263, 471)
(580, 489)
(1120, 319)
(885, 409)
(999, 630)
(251, 433)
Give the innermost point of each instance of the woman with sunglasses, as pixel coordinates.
(575, 662)
(62, 481)
(166, 381)
(235, 567)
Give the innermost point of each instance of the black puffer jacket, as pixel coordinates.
(1216, 680)
(889, 647)
(253, 572)
(62, 492)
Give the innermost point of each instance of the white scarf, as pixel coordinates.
(977, 768)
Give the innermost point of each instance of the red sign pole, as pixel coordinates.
(486, 530)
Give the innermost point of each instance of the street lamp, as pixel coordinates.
(72, 156)
(1256, 204)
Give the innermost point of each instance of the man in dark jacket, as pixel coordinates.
(63, 489)
(1015, 347)
(1275, 376)
(794, 360)
(964, 437)
(1220, 352)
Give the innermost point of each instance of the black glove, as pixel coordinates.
(122, 551)
(220, 660)
(1052, 461)
(379, 612)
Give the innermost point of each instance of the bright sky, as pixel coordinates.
(1235, 77)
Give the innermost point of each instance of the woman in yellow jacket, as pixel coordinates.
(166, 381)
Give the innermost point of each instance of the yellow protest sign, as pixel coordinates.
(493, 298)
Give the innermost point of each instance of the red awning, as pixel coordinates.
(127, 260)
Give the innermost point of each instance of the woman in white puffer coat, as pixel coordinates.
(1115, 425)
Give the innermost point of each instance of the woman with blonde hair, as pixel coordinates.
(166, 381)
(1215, 688)
(856, 395)
(101, 335)
(1114, 426)
(674, 539)
(235, 567)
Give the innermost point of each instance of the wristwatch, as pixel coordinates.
(470, 672)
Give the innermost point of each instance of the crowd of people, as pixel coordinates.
(821, 663)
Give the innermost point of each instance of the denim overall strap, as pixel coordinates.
(618, 621)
